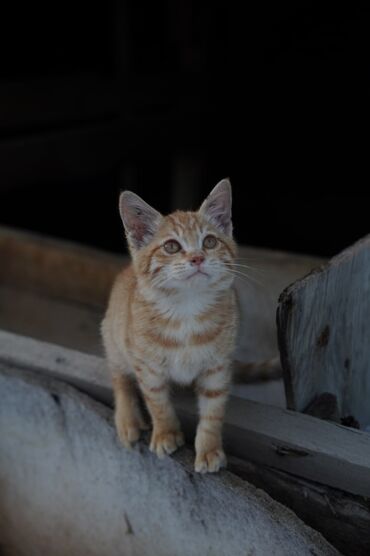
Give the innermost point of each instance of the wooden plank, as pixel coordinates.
(51, 319)
(342, 518)
(84, 371)
(57, 268)
(324, 330)
(299, 444)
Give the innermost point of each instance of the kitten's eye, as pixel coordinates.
(209, 242)
(172, 246)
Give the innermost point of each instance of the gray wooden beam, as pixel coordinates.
(321, 451)
(324, 334)
(342, 518)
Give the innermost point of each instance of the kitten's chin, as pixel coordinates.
(197, 274)
(204, 282)
(199, 280)
(195, 281)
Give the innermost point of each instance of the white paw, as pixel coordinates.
(129, 431)
(164, 443)
(210, 462)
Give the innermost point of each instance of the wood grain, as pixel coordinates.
(57, 268)
(311, 448)
(324, 334)
(343, 519)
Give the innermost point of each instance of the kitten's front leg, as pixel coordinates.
(127, 415)
(213, 391)
(166, 435)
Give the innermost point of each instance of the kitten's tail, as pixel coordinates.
(257, 372)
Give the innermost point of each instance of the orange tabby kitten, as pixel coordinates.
(172, 316)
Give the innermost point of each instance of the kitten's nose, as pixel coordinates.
(197, 260)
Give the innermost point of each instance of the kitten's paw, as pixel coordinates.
(211, 461)
(128, 432)
(164, 443)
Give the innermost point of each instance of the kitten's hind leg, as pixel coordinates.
(128, 417)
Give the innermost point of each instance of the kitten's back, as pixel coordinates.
(117, 319)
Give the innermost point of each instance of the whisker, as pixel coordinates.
(237, 270)
(160, 281)
(242, 277)
(255, 269)
(244, 260)
(238, 273)
(248, 259)
(223, 268)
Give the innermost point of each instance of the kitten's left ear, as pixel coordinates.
(217, 207)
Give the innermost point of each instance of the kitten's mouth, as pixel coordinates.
(196, 273)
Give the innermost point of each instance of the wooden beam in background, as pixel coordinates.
(324, 334)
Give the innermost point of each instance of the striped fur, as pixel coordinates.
(173, 317)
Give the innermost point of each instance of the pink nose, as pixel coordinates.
(197, 260)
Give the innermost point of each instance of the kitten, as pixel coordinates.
(172, 316)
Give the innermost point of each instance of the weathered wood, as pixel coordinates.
(51, 319)
(343, 519)
(56, 268)
(299, 444)
(84, 371)
(325, 407)
(69, 488)
(324, 331)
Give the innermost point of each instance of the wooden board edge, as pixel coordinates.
(282, 322)
(344, 255)
(249, 432)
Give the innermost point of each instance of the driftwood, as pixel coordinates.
(324, 331)
(69, 488)
(344, 519)
(313, 449)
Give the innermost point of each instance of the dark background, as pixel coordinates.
(170, 97)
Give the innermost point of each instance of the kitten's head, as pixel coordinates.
(184, 250)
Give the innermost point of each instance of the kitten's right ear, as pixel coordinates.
(140, 220)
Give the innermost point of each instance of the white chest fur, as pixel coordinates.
(185, 364)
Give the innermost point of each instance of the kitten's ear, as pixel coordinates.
(217, 207)
(140, 220)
